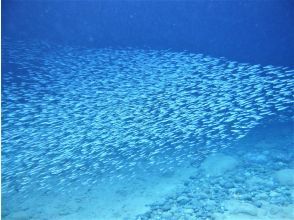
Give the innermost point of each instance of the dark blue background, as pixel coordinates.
(246, 31)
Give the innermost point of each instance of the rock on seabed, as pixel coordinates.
(285, 176)
(218, 164)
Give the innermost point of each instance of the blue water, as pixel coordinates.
(147, 110)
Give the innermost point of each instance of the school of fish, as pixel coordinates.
(75, 116)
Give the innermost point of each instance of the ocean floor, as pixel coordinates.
(254, 179)
(107, 200)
